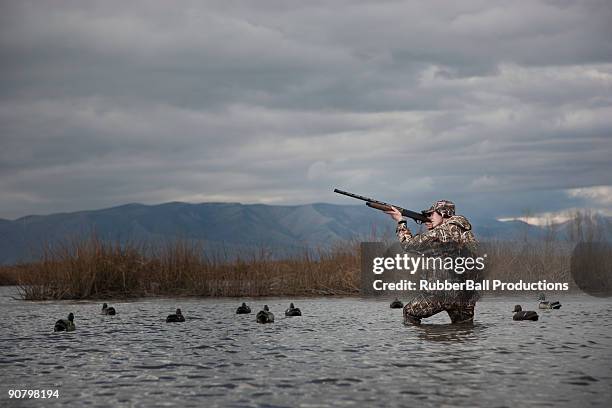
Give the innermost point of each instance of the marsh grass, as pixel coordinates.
(511, 261)
(9, 275)
(550, 257)
(93, 268)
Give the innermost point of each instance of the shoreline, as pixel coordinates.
(382, 296)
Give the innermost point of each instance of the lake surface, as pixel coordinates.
(345, 352)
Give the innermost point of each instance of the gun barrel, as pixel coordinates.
(357, 196)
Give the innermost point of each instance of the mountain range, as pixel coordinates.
(226, 228)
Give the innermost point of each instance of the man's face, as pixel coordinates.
(435, 219)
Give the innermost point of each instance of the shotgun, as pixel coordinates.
(379, 205)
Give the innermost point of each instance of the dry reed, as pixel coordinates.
(96, 269)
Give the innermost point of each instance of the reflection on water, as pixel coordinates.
(346, 351)
(451, 332)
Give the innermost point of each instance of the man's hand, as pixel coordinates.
(395, 214)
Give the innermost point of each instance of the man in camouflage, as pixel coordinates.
(444, 229)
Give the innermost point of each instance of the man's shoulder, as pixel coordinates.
(455, 229)
(459, 221)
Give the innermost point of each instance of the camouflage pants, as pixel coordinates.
(427, 305)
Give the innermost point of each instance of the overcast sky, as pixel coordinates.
(499, 106)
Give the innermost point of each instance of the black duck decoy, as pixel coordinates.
(65, 324)
(175, 318)
(243, 309)
(293, 311)
(108, 310)
(396, 304)
(265, 315)
(519, 314)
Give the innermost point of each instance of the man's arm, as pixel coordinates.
(410, 241)
(445, 232)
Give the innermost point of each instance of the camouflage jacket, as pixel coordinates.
(454, 229)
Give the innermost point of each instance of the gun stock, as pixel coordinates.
(378, 206)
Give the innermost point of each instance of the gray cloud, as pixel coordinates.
(498, 106)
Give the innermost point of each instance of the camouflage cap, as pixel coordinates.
(444, 207)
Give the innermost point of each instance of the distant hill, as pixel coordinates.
(223, 228)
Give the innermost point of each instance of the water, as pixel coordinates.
(345, 352)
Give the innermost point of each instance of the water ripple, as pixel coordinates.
(351, 351)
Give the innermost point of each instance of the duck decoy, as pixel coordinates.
(265, 315)
(396, 304)
(545, 304)
(65, 324)
(293, 311)
(175, 318)
(519, 314)
(108, 310)
(243, 309)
